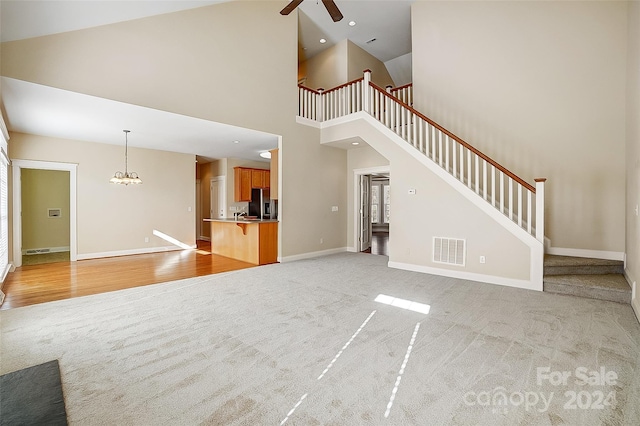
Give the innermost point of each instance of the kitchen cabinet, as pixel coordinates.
(254, 242)
(246, 178)
(260, 178)
(242, 184)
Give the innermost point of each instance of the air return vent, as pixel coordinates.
(449, 250)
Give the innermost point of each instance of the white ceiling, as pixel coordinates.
(42, 110)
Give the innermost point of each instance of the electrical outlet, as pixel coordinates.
(146, 239)
(189, 208)
(232, 208)
(636, 210)
(334, 208)
(483, 259)
(321, 240)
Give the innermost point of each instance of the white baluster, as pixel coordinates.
(477, 179)
(529, 218)
(484, 179)
(440, 147)
(367, 92)
(469, 182)
(540, 209)
(520, 205)
(446, 141)
(510, 198)
(493, 185)
(432, 138)
(454, 146)
(501, 191)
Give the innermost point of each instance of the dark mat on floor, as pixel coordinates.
(32, 396)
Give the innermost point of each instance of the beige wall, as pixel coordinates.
(340, 64)
(359, 60)
(203, 63)
(327, 69)
(42, 190)
(540, 87)
(633, 151)
(116, 218)
(436, 210)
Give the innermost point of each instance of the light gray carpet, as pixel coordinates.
(300, 342)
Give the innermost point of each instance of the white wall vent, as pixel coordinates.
(451, 251)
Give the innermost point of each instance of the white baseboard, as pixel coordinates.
(115, 253)
(313, 254)
(48, 250)
(596, 254)
(489, 279)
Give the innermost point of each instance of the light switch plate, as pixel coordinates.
(412, 191)
(334, 208)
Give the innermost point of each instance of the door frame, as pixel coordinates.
(221, 181)
(357, 217)
(17, 166)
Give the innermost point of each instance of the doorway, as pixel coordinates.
(18, 166)
(218, 198)
(373, 209)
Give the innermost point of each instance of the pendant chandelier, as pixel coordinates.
(127, 177)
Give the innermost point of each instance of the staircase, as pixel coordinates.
(521, 202)
(388, 118)
(585, 277)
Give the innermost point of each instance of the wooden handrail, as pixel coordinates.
(457, 139)
(300, 86)
(343, 85)
(395, 89)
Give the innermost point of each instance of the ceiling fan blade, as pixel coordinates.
(333, 10)
(289, 8)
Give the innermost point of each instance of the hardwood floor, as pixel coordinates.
(379, 244)
(30, 285)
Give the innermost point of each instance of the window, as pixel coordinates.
(387, 203)
(375, 201)
(380, 204)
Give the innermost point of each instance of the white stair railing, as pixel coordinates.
(518, 200)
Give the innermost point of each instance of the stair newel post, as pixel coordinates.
(366, 92)
(320, 105)
(540, 209)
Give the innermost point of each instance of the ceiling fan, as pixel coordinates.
(329, 4)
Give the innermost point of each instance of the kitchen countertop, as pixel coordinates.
(231, 220)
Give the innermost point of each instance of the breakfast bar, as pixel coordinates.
(250, 240)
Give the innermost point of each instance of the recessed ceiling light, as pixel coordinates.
(352, 23)
(236, 141)
(323, 41)
(265, 154)
(355, 143)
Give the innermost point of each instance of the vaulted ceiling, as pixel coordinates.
(388, 22)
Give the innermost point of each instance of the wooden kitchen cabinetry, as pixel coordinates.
(242, 184)
(260, 178)
(245, 179)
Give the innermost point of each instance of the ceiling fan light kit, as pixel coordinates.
(330, 5)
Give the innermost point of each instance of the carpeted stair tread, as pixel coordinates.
(568, 265)
(612, 287)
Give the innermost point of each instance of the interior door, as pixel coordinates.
(365, 212)
(218, 198)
